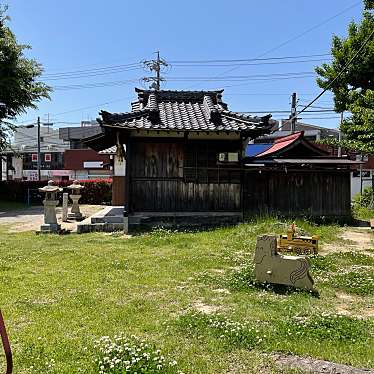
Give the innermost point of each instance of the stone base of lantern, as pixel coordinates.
(75, 213)
(50, 227)
(76, 216)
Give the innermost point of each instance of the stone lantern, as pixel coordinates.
(50, 202)
(75, 196)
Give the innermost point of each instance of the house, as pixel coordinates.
(361, 176)
(293, 176)
(79, 160)
(20, 162)
(183, 152)
(187, 154)
(311, 132)
(63, 154)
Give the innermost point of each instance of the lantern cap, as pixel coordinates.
(50, 187)
(75, 186)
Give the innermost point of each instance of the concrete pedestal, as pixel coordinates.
(50, 219)
(75, 213)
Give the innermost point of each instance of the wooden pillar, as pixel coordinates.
(127, 186)
(118, 190)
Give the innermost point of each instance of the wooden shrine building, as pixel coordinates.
(185, 151)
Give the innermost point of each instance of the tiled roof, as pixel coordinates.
(109, 151)
(281, 143)
(183, 111)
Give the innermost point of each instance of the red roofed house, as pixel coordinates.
(295, 177)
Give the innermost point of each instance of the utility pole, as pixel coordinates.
(293, 117)
(155, 65)
(39, 178)
(340, 134)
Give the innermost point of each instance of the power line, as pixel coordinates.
(90, 75)
(298, 36)
(250, 64)
(97, 70)
(94, 85)
(247, 59)
(342, 71)
(90, 107)
(238, 77)
(285, 111)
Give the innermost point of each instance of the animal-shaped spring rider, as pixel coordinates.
(272, 267)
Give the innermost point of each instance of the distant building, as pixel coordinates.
(361, 178)
(81, 161)
(311, 132)
(21, 161)
(63, 155)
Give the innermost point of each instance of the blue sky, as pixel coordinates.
(70, 36)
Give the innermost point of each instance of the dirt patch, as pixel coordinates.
(222, 291)
(311, 365)
(205, 308)
(351, 240)
(218, 271)
(353, 306)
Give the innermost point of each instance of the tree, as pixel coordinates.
(19, 88)
(354, 90)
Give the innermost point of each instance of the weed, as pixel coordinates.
(359, 282)
(324, 327)
(123, 355)
(232, 333)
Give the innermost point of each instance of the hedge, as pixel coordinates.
(96, 191)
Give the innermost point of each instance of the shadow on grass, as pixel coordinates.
(281, 289)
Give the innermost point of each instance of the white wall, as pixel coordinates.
(119, 167)
(355, 181)
(27, 139)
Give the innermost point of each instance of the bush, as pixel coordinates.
(361, 203)
(96, 191)
(364, 199)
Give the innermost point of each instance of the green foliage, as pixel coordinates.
(61, 292)
(351, 272)
(361, 205)
(359, 281)
(364, 199)
(369, 4)
(324, 327)
(123, 355)
(96, 191)
(354, 90)
(231, 333)
(19, 87)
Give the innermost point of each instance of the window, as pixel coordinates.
(365, 173)
(211, 162)
(34, 157)
(228, 157)
(47, 157)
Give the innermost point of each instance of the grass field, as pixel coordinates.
(191, 295)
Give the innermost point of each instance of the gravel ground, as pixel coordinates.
(310, 365)
(30, 219)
